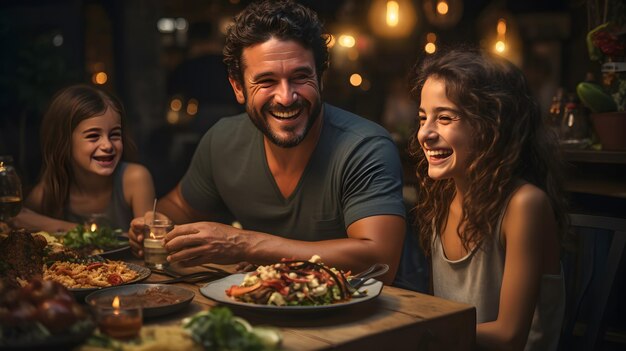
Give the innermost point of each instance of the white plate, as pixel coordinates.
(216, 290)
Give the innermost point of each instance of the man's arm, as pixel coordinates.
(174, 206)
(375, 239)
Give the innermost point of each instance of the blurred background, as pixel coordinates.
(163, 59)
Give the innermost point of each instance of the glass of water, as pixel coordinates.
(155, 255)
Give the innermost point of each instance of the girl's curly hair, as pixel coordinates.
(511, 142)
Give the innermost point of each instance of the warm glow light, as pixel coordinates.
(100, 78)
(500, 46)
(430, 48)
(116, 302)
(391, 18)
(94, 227)
(176, 105)
(356, 79)
(501, 26)
(442, 8)
(172, 117)
(331, 41)
(347, 41)
(393, 13)
(192, 107)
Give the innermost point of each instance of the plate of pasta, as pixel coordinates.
(84, 278)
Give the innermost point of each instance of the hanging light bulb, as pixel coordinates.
(443, 13)
(392, 18)
(500, 33)
(430, 46)
(392, 13)
(442, 7)
(500, 46)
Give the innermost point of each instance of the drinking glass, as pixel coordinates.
(10, 190)
(155, 255)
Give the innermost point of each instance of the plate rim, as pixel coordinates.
(175, 307)
(227, 300)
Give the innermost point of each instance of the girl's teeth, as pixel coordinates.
(438, 152)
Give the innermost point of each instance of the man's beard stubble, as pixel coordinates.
(261, 122)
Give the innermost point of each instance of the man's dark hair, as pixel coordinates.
(283, 20)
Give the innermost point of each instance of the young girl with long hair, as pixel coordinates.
(83, 140)
(490, 210)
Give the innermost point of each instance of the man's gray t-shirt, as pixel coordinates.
(353, 173)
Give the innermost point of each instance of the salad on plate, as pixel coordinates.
(293, 283)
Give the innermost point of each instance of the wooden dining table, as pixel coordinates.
(397, 319)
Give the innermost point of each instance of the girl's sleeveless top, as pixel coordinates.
(476, 279)
(118, 214)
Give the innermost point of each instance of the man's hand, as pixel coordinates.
(137, 229)
(205, 242)
(135, 234)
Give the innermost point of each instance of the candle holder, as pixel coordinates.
(95, 221)
(119, 319)
(155, 255)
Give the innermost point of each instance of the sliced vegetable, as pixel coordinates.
(237, 290)
(219, 330)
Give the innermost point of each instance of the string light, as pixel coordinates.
(442, 8)
(347, 41)
(192, 107)
(176, 105)
(500, 46)
(356, 79)
(430, 46)
(100, 78)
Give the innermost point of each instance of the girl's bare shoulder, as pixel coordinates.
(135, 173)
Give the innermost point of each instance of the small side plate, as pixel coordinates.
(152, 308)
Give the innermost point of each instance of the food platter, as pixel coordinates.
(151, 308)
(216, 290)
(142, 274)
(55, 242)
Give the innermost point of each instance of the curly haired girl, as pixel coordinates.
(491, 212)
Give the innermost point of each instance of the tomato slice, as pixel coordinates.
(115, 279)
(237, 290)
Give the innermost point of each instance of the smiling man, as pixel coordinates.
(302, 177)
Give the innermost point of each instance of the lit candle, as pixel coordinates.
(119, 322)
